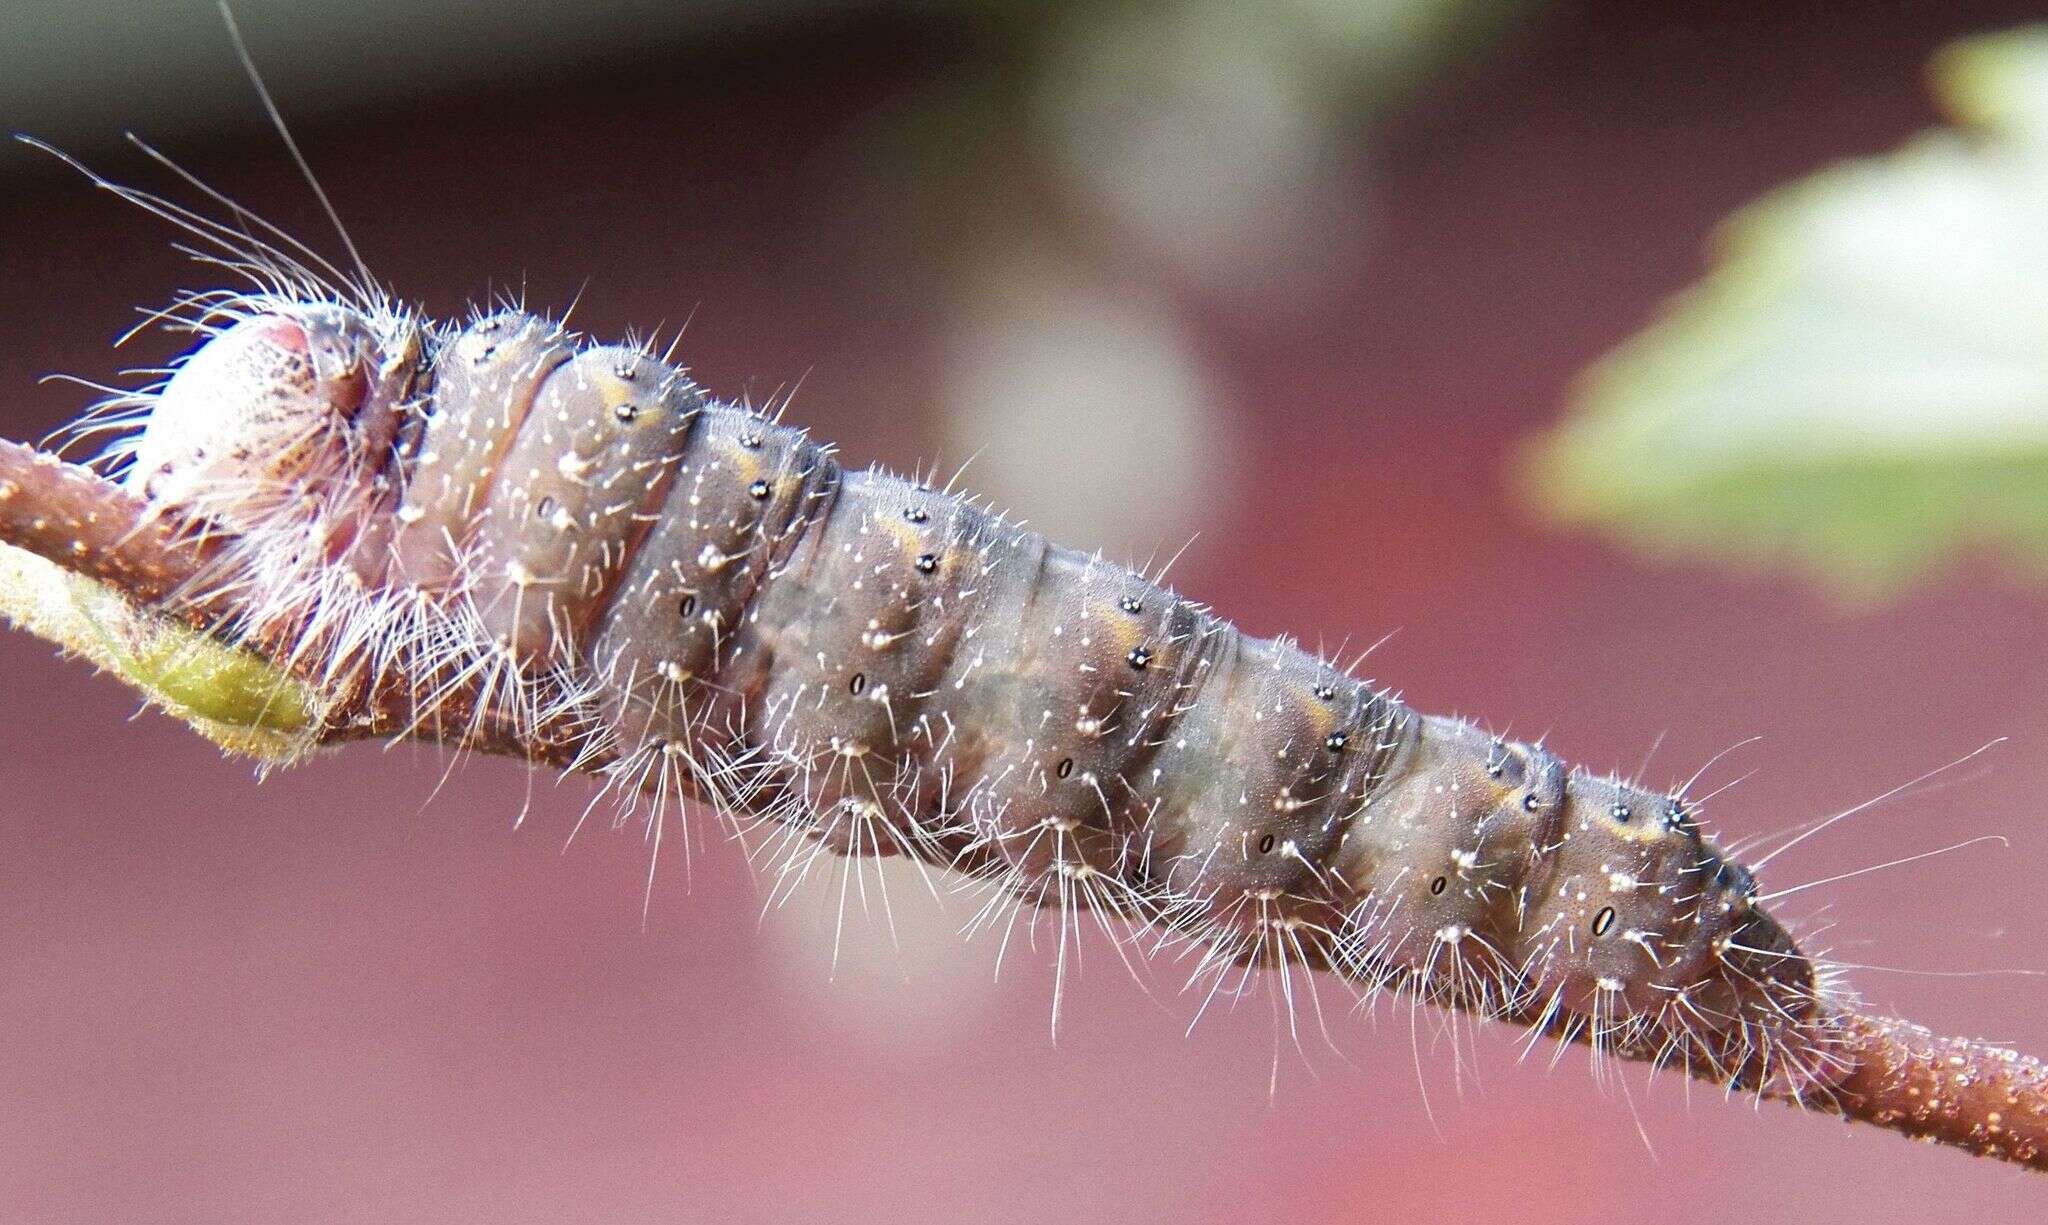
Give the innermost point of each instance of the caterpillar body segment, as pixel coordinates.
(571, 497)
(738, 505)
(548, 533)
(495, 368)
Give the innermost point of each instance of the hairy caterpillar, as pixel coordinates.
(442, 631)
(525, 536)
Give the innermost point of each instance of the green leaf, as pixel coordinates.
(1860, 384)
(233, 697)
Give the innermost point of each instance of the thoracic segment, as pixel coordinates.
(881, 667)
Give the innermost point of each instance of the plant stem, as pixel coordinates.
(1987, 1099)
(93, 528)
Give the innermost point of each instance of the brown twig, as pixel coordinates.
(91, 527)
(1988, 1100)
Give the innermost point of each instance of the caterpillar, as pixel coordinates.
(499, 535)
(515, 533)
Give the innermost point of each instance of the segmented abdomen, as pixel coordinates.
(510, 530)
(884, 667)
(884, 662)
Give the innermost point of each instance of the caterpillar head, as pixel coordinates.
(290, 407)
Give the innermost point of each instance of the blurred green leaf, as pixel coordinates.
(1860, 385)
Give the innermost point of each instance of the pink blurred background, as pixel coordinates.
(331, 998)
